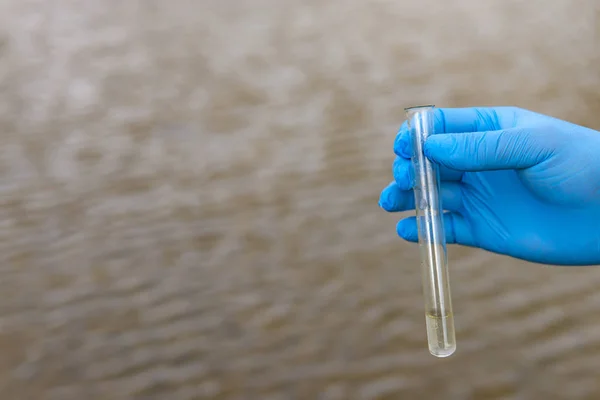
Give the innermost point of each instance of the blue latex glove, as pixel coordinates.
(514, 182)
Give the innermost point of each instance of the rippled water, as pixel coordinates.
(188, 200)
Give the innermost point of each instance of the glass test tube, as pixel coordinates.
(432, 240)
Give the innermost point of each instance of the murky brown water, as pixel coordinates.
(188, 200)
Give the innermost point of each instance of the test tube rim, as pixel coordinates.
(412, 108)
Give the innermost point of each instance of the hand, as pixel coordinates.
(513, 182)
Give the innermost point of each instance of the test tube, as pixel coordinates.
(439, 319)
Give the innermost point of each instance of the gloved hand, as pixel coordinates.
(513, 182)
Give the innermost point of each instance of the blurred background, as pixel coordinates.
(188, 200)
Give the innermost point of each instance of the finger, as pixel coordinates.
(455, 226)
(514, 148)
(394, 199)
(452, 120)
(468, 119)
(402, 145)
(403, 172)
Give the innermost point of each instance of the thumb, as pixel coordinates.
(514, 148)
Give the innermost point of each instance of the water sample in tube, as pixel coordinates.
(432, 239)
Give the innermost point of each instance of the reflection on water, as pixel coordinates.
(188, 203)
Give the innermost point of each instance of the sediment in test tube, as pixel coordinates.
(432, 244)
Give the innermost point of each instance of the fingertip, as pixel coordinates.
(402, 142)
(386, 197)
(403, 174)
(407, 229)
(439, 146)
